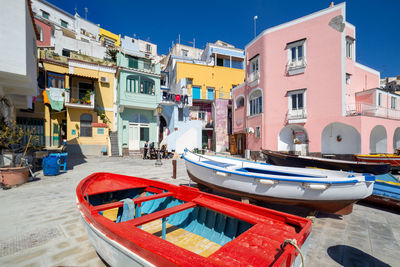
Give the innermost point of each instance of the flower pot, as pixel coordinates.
(14, 175)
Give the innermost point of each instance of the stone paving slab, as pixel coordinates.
(40, 224)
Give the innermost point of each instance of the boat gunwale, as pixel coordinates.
(354, 181)
(151, 244)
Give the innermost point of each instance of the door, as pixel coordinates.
(196, 92)
(134, 137)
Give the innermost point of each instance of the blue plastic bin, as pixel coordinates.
(62, 160)
(50, 165)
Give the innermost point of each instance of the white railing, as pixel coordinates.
(365, 109)
(295, 114)
(297, 64)
(74, 102)
(254, 76)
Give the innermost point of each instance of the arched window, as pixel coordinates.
(255, 102)
(86, 125)
(147, 86)
(132, 84)
(240, 101)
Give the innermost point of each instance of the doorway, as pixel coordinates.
(137, 133)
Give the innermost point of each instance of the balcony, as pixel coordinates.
(296, 67)
(364, 109)
(253, 78)
(296, 116)
(83, 103)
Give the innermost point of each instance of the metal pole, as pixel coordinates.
(255, 31)
(158, 162)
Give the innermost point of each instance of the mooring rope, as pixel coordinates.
(293, 242)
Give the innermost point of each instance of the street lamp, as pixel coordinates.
(159, 110)
(255, 32)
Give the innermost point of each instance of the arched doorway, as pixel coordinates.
(293, 138)
(396, 139)
(378, 140)
(340, 138)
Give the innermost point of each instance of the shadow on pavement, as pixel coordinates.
(75, 155)
(348, 256)
(389, 207)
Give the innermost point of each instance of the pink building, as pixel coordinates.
(305, 92)
(44, 29)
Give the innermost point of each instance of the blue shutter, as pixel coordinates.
(196, 92)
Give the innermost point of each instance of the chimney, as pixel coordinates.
(331, 4)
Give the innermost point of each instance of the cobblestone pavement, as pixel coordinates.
(40, 224)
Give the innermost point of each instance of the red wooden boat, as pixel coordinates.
(136, 221)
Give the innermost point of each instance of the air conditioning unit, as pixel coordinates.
(104, 79)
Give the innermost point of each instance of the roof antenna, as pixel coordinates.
(86, 11)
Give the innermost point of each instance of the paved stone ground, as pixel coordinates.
(40, 225)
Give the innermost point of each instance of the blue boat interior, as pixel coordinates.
(387, 186)
(271, 172)
(201, 221)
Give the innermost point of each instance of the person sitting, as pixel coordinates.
(145, 150)
(153, 154)
(163, 151)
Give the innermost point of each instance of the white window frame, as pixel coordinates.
(297, 113)
(297, 65)
(254, 65)
(348, 77)
(255, 104)
(349, 47)
(393, 102)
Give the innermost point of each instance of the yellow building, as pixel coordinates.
(209, 82)
(109, 39)
(79, 102)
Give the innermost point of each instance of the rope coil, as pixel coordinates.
(293, 242)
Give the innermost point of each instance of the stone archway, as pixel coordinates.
(293, 138)
(396, 139)
(378, 140)
(340, 138)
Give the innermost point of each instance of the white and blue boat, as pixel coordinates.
(319, 189)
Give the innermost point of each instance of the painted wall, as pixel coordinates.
(45, 30)
(221, 79)
(56, 14)
(221, 125)
(110, 35)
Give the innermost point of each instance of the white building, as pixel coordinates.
(70, 33)
(18, 63)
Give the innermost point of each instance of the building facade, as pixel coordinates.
(305, 92)
(207, 82)
(138, 94)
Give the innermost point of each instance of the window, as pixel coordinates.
(296, 57)
(379, 99)
(144, 133)
(64, 23)
(132, 84)
(66, 52)
(254, 68)
(180, 114)
(40, 32)
(393, 103)
(210, 93)
(109, 42)
(148, 48)
(258, 131)
(83, 31)
(147, 65)
(220, 62)
(201, 115)
(185, 52)
(133, 62)
(297, 101)
(239, 101)
(45, 14)
(55, 80)
(255, 102)
(349, 47)
(86, 125)
(147, 86)
(84, 89)
(348, 76)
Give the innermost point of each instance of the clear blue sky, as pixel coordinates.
(377, 22)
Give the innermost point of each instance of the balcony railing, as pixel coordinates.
(79, 103)
(254, 76)
(296, 114)
(364, 109)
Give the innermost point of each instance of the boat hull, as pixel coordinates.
(110, 251)
(340, 207)
(393, 160)
(281, 159)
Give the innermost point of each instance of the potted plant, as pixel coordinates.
(11, 136)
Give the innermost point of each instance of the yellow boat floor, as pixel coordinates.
(177, 236)
(182, 238)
